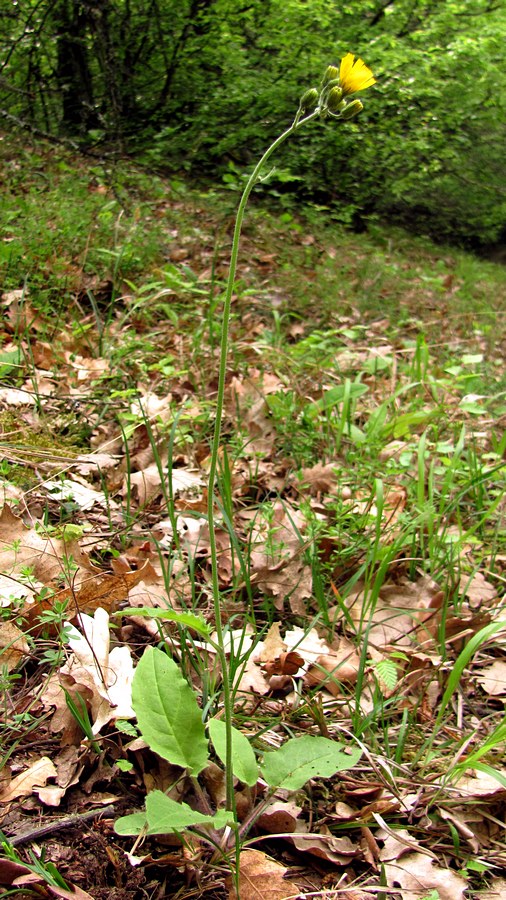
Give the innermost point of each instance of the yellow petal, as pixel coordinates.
(346, 64)
(354, 75)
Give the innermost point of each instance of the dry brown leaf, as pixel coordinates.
(493, 678)
(63, 720)
(47, 557)
(478, 590)
(17, 397)
(280, 817)
(285, 664)
(260, 877)
(50, 796)
(79, 492)
(12, 590)
(75, 892)
(289, 579)
(252, 680)
(417, 875)
(106, 673)
(462, 828)
(480, 784)
(319, 478)
(151, 406)
(146, 484)
(13, 645)
(20, 313)
(248, 397)
(340, 666)
(106, 592)
(399, 610)
(9, 493)
(336, 850)
(86, 368)
(95, 462)
(214, 779)
(496, 890)
(9, 871)
(23, 784)
(272, 645)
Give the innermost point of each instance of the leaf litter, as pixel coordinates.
(320, 644)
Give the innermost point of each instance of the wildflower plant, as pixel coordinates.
(329, 99)
(168, 715)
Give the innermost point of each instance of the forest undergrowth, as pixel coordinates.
(361, 538)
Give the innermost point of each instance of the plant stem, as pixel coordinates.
(227, 699)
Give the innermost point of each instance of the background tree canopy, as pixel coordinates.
(204, 85)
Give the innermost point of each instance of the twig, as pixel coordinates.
(59, 825)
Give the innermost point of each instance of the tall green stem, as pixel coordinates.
(227, 698)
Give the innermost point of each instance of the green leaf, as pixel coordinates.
(9, 360)
(334, 396)
(386, 671)
(306, 757)
(167, 711)
(196, 623)
(130, 825)
(165, 815)
(403, 424)
(244, 764)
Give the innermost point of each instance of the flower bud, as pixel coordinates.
(330, 73)
(334, 99)
(309, 101)
(352, 109)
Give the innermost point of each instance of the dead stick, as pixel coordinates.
(59, 825)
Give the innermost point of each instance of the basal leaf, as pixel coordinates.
(165, 815)
(130, 825)
(167, 711)
(306, 757)
(244, 764)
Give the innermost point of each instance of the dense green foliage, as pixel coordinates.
(205, 84)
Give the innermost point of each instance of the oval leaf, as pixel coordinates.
(165, 815)
(167, 711)
(306, 757)
(131, 825)
(244, 764)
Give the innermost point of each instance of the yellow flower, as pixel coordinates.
(354, 75)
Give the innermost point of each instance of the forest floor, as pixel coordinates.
(361, 538)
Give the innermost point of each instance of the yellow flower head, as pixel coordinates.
(354, 75)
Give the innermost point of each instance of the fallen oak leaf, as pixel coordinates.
(417, 876)
(482, 783)
(280, 817)
(48, 557)
(493, 678)
(105, 592)
(336, 850)
(260, 876)
(73, 893)
(107, 673)
(13, 645)
(287, 663)
(23, 784)
(332, 669)
(10, 870)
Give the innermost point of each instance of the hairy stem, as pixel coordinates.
(227, 696)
